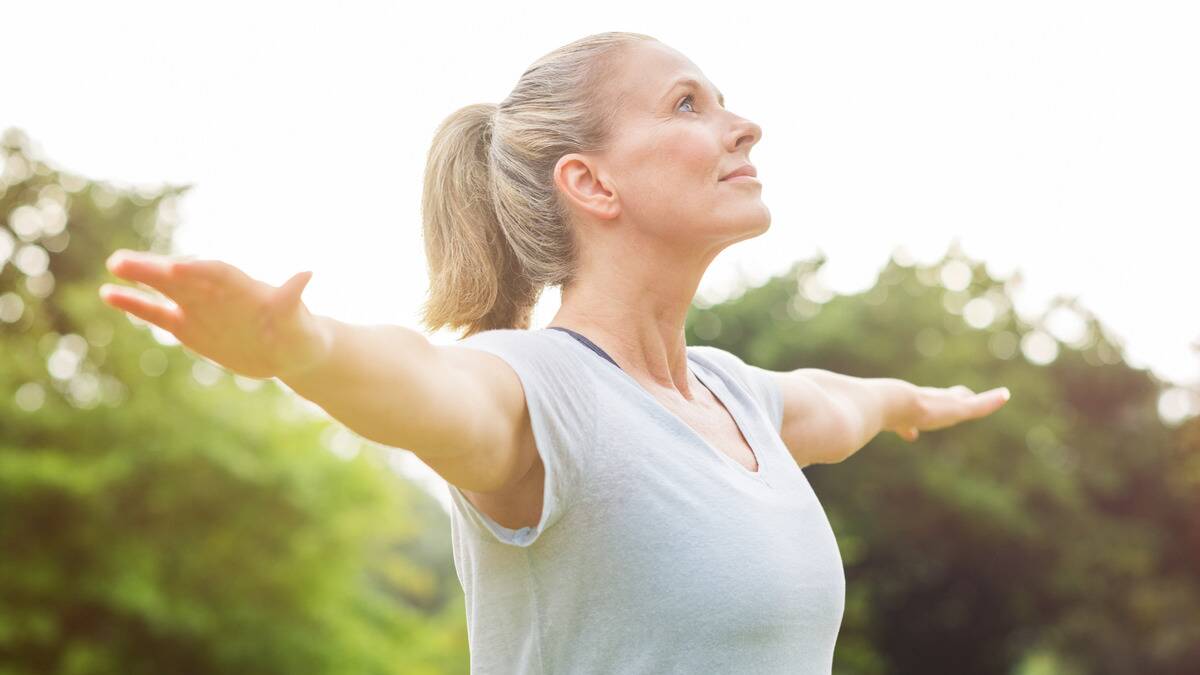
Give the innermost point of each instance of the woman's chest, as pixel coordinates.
(718, 427)
(725, 553)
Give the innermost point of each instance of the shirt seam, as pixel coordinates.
(537, 608)
(582, 459)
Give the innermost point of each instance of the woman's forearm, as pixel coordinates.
(876, 402)
(379, 380)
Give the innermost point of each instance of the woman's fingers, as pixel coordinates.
(138, 304)
(186, 281)
(971, 406)
(155, 271)
(946, 407)
(989, 401)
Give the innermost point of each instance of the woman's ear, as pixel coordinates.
(578, 178)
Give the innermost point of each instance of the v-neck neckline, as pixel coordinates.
(701, 372)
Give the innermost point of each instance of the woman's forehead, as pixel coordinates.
(654, 69)
(646, 81)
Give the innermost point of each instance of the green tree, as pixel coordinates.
(1060, 533)
(161, 515)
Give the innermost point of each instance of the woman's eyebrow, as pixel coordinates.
(690, 81)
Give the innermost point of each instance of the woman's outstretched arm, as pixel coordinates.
(461, 411)
(828, 416)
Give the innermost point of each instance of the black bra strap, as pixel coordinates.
(591, 345)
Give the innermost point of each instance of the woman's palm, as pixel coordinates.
(219, 312)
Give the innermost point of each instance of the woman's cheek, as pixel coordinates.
(695, 153)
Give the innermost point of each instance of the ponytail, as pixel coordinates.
(496, 231)
(475, 279)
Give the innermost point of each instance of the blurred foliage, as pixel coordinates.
(1059, 535)
(159, 514)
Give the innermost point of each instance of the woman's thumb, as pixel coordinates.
(291, 289)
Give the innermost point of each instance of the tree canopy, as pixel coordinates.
(159, 514)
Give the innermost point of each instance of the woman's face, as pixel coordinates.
(673, 141)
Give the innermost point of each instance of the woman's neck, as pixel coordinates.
(639, 323)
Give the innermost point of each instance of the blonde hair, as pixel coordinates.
(496, 231)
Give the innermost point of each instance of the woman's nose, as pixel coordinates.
(745, 130)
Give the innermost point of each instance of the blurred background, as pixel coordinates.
(960, 194)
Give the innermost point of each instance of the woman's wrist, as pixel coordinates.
(313, 353)
(899, 401)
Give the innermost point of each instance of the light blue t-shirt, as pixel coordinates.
(656, 552)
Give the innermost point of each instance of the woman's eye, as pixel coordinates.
(687, 98)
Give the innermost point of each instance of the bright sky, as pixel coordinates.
(1057, 138)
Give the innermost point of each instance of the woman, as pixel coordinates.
(623, 502)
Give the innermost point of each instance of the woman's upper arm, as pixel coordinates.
(521, 396)
(816, 424)
(485, 442)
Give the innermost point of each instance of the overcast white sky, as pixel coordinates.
(1058, 138)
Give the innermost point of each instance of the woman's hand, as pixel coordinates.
(937, 408)
(216, 310)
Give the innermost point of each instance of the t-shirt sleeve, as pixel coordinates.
(761, 383)
(561, 406)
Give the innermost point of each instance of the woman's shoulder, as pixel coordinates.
(723, 360)
(537, 344)
(543, 358)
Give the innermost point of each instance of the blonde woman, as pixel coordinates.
(622, 502)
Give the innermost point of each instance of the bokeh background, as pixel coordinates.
(986, 195)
